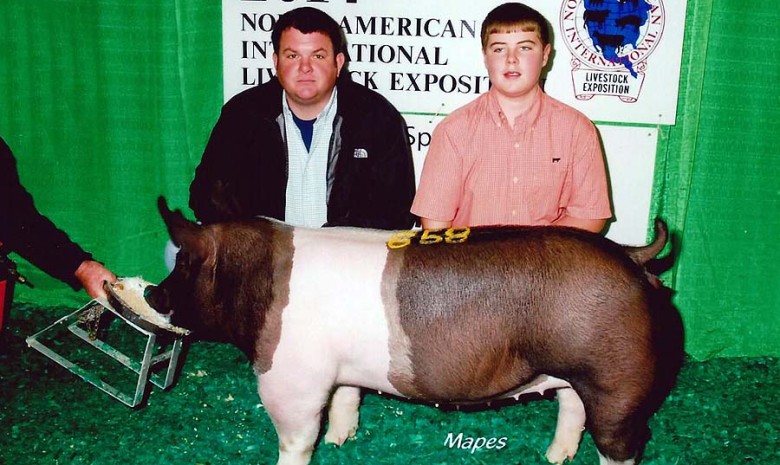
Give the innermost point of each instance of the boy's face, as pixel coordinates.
(514, 62)
(307, 68)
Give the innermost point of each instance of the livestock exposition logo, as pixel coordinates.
(610, 42)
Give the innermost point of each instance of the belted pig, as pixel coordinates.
(452, 316)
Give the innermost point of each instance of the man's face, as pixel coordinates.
(307, 68)
(514, 62)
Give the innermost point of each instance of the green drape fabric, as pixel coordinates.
(717, 181)
(108, 104)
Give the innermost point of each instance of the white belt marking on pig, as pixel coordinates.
(334, 328)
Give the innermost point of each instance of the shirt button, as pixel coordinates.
(517, 145)
(514, 212)
(514, 180)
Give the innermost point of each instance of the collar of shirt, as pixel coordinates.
(325, 114)
(526, 120)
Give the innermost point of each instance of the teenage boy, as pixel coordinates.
(514, 155)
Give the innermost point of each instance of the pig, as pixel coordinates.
(453, 316)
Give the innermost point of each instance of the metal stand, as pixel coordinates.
(143, 368)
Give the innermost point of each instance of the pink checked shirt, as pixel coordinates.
(481, 171)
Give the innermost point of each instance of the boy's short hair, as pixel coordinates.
(307, 20)
(514, 17)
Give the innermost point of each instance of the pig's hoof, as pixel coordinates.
(342, 424)
(339, 437)
(558, 453)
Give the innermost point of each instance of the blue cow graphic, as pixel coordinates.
(615, 24)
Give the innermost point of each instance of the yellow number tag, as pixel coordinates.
(457, 235)
(430, 237)
(401, 239)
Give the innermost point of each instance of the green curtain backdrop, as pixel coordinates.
(108, 104)
(717, 181)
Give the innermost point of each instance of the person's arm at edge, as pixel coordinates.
(37, 239)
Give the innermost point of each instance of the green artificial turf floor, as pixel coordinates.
(722, 411)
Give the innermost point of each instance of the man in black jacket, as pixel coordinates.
(311, 147)
(27, 232)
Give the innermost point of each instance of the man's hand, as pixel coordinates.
(428, 223)
(596, 226)
(92, 274)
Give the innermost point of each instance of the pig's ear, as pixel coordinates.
(184, 233)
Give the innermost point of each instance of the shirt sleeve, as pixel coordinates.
(25, 231)
(589, 193)
(440, 190)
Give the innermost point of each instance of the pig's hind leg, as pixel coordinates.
(343, 415)
(617, 420)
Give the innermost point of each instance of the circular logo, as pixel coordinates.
(612, 35)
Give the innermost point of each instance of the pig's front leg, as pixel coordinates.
(295, 412)
(343, 415)
(568, 431)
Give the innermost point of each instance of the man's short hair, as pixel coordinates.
(514, 17)
(307, 20)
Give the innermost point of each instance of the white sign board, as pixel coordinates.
(426, 57)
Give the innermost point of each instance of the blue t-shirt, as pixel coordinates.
(307, 129)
